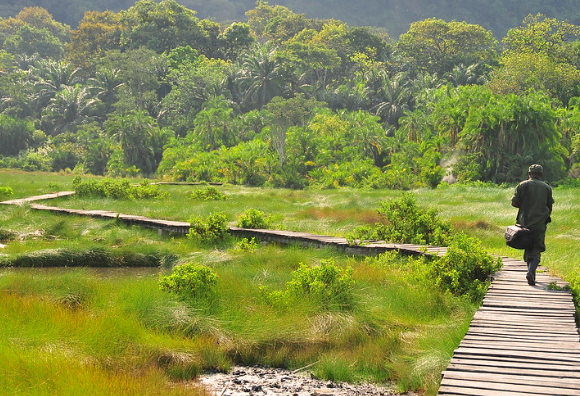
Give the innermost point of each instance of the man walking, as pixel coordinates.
(534, 200)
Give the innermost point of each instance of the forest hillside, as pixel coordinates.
(394, 15)
(281, 99)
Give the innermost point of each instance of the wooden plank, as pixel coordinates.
(490, 367)
(564, 383)
(521, 334)
(483, 363)
(569, 344)
(534, 298)
(468, 391)
(515, 362)
(515, 320)
(503, 387)
(522, 346)
(562, 333)
(554, 314)
(544, 295)
(464, 391)
(530, 310)
(524, 354)
(516, 303)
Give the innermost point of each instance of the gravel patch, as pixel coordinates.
(258, 381)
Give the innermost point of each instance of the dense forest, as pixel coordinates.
(283, 99)
(393, 15)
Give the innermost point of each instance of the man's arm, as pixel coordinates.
(516, 202)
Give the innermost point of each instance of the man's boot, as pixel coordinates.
(531, 274)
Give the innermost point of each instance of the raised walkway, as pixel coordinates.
(522, 341)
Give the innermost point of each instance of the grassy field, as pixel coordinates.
(112, 331)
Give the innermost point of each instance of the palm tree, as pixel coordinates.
(104, 86)
(139, 135)
(68, 109)
(396, 98)
(50, 77)
(261, 77)
(466, 75)
(213, 125)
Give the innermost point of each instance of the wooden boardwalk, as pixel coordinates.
(522, 341)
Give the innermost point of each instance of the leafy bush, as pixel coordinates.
(247, 245)
(34, 161)
(116, 189)
(5, 191)
(253, 218)
(406, 222)
(209, 194)
(211, 230)
(190, 281)
(466, 269)
(327, 284)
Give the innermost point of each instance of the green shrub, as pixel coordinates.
(116, 189)
(327, 284)
(466, 269)
(253, 218)
(5, 191)
(212, 230)
(190, 281)
(406, 222)
(247, 245)
(209, 194)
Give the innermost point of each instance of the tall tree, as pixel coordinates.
(30, 40)
(97, 33)
(537, 57)
(261, 77)
(15, 135)
(140, 138)
(69, 108)
(436, 46)
(161, 26)
(50, 77)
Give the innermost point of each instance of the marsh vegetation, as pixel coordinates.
(115, 331)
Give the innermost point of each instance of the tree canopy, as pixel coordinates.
(285, 100)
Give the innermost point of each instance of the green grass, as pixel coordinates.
(116, 324)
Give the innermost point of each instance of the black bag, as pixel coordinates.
(518, 237)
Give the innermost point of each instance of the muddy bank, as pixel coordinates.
(257, 381)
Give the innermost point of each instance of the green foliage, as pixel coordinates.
(209, 194)
(34, 161)
(466, 269)
(406, 222)
(326, 284)
(211, 230)
(247, 245)
(6, 191)
(436, 46)
(153, 90)
(15, 135)
(253, 218)
(30, 40)
(190, 281)
(116, 189)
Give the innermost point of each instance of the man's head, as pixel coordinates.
(535, 170)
